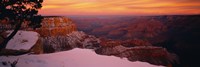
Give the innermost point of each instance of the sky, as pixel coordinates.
(120, 7)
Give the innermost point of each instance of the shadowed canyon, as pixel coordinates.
(179, 34)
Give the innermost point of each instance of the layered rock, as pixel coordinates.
(51, 26)
(136, 51)
(60, 34)
(75, 39)
(153, 55)
(56, 26)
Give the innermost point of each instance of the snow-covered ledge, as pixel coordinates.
(73, 58)
(23, 40)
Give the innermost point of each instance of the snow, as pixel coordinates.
(73, 58)
(23, 40)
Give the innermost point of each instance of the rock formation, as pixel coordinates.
(75, 39)
(51, 27)
(60, 33)
(137, 52)
(56, 26)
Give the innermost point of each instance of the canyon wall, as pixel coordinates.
(137, 50)
(51, 26)
(179, 34)
(60, 34)
(56, 26)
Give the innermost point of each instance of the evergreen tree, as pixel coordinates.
(19, 11)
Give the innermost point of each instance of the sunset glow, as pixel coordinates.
(120, 7)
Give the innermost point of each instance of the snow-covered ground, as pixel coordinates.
(73, 58)
(22, 40)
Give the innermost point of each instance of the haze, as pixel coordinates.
(120, 7)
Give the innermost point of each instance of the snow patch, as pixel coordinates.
(73, 58)
(23, 40)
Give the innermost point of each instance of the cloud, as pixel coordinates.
(114, 7)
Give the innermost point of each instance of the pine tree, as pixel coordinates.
(19, 11)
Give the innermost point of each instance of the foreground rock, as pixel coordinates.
(21, 43)
(23, 40)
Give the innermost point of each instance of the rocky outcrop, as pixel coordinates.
(75, 39)
(56, 26)
(22, 43)
(137, 50)
(135, 42)
(153, 55)
(60, 33)
(51, 26)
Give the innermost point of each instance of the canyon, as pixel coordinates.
(179, 34)
(159, 40)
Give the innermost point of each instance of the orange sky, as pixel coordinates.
(120, 7)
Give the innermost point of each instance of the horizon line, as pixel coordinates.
(128, 15)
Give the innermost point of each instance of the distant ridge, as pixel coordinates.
(51, 16)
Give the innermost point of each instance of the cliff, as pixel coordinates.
(60, 34)
(137, 50)
(51, 26)
(56, 26)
